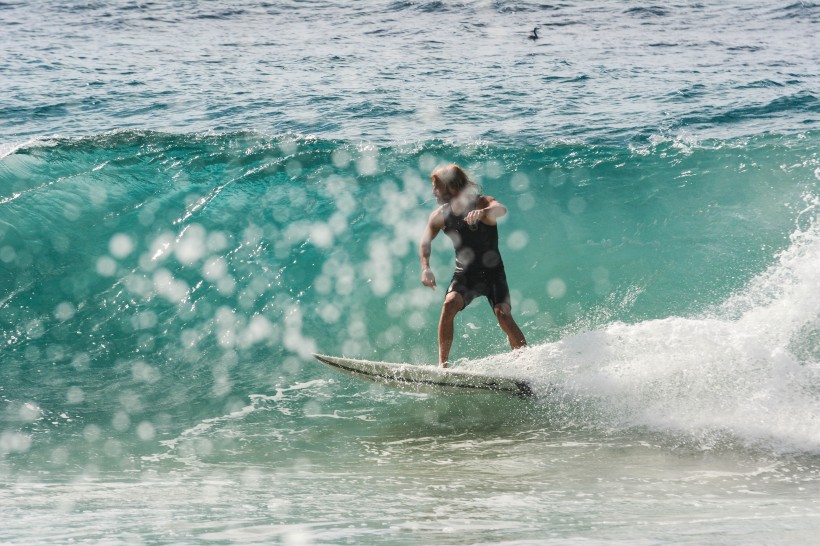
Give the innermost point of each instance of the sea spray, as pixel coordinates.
(747, 370)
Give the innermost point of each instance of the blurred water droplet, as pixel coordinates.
(14, 442)
(75, 395)
(520, 182)
(7, 254)
(517, 240)
(556, 288)
(106, 266)
(145, 431)
(92, 433)
(121, 421)
(64, 311)
(120, 245)
(341, 158)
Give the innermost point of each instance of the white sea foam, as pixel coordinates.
(749, 369)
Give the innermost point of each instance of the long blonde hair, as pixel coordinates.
(455, 179)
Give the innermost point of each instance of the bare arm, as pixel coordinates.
(434, 225)
(488, 210)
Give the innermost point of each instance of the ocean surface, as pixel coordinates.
(197, 195)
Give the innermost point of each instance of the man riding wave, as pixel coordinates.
(469, 219)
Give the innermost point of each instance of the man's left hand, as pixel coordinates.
(475, 216)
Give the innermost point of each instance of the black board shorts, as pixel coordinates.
(491, 283)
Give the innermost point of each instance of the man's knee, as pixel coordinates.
(502, 312)
(453, 303)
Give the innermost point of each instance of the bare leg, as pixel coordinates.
(453, 303)
(503, 313)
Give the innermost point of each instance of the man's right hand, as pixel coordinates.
(427, 278)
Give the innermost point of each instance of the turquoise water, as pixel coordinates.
(183, 221)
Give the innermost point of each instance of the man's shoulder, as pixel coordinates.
(484, 201)
(438, 215)
(440, 212)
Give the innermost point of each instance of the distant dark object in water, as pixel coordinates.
(534, 34)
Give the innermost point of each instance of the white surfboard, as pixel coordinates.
(427, 378)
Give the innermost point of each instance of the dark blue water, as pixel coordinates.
(410, 71)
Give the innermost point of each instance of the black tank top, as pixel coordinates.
(476, 246)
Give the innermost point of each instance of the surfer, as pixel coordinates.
(469, 219)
